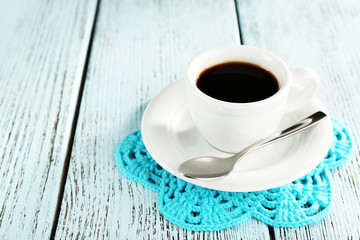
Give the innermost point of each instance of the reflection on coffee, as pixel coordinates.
(237, 82)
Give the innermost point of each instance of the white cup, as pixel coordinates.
(230, 126)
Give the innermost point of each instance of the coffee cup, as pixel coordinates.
(237, 120)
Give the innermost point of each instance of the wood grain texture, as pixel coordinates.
(140, 47)
(323, 35)
(42, 53)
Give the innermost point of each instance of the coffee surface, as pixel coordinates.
(237, 82)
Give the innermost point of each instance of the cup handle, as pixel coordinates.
(309, 91)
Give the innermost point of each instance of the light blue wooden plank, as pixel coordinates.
(42, 52)
(323, 35)
(140, 47)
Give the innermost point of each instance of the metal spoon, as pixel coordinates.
(215, 167)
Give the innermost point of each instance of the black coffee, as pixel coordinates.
(237, 82)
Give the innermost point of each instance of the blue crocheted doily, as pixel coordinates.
(306, 200)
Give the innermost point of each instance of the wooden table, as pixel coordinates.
(76, 76)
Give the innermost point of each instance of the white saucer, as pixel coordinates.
(171, 138)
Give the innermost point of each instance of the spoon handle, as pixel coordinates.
(296, 128)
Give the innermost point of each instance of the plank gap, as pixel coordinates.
(238, 22)
(271, 232)
(73, 126)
